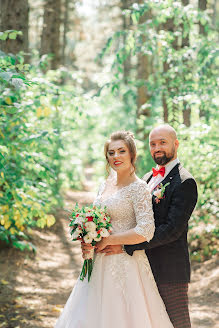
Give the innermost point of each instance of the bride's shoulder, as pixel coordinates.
(139, 185)
(139, 191)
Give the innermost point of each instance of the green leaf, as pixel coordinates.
(135, 17)
(22, 245)
(3, 36)
(11, 110)
(13, 35)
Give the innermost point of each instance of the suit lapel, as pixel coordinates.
(171, 174)
(149, 178)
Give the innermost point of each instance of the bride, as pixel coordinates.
(122, 292)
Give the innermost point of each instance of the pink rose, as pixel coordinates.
(157, 193)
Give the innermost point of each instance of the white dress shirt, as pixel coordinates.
(154, 182)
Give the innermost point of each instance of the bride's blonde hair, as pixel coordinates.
(129, 140)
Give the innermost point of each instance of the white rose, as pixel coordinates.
(104, 232)
(92, 234)
(90, 226)
(88, 239)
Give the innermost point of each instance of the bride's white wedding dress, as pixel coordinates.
(122, 292)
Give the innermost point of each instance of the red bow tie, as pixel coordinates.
(161, 171)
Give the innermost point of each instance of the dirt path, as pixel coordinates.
(33, 289)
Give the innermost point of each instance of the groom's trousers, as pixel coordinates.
(175, 298)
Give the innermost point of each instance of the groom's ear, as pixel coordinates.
(176, 143)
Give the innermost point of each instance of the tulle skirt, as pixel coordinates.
(121, 293)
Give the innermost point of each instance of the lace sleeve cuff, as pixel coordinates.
(147, 231)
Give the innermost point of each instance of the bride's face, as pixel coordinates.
(119, 156)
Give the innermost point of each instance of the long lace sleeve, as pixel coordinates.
(142, 205)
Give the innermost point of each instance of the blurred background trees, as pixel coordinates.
(77, 71)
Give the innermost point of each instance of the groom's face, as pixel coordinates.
(163, 146)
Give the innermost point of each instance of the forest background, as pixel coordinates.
(72, 72)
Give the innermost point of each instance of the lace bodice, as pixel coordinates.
(130, 207)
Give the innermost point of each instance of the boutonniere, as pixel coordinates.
(159, 192)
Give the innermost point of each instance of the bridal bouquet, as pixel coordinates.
(89, 224)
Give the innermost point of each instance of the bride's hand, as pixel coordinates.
(86, 248)
(102, 244)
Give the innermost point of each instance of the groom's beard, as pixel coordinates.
(163, 160)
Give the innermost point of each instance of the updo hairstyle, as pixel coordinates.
(129, 140)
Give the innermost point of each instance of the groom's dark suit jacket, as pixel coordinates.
(168, 250)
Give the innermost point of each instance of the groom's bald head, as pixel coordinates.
(163, 144)
(164, 129)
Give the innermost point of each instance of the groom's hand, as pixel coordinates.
(112, 250)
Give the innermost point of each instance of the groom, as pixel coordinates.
(168, 250)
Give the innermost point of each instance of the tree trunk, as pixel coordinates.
(14, 16)
(126, 22)
(185, 43)
(168, 92)
(185, 39)
(165, 95)
(143, 71)
(214, 16)
(50, 39)
(202, 5)
(65, 30)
